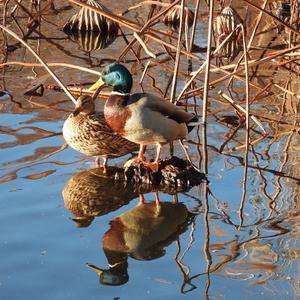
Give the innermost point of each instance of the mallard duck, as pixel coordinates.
(86, 131)
(142, 233)
(89, 194)
(141, 118)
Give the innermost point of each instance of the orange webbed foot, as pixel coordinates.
(153, 166)
(132, 162)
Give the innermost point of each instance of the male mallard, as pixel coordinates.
(141, 118)
(141, 233)
(86, 131)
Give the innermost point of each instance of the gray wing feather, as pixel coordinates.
(162, 106)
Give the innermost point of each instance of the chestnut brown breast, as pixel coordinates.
(116, 112)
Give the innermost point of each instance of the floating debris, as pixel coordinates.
(226, 23)
(87, 20)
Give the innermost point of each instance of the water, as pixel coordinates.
(192, 247)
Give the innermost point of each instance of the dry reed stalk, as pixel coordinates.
(287, 91)
(208, 57)
(196, 73)
(148, 2)
(138, 38)
(242, 147)
(71, 66)
(271, 56)
(177, 58)
(229, 22)
(120, 20)
(194, 23)
(137, 28)
(272, 16)
(247, 129)
(230, 137)
(242, 110)
(145, 27)
(257, 23)
(41, 61)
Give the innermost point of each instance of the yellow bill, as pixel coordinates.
(97, 85)
(96, 269)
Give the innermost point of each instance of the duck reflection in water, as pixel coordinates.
(93, 193)
(141, 233)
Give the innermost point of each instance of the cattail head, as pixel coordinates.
(172, 17)
(87, 20)
(227, 24)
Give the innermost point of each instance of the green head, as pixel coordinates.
(117, 76)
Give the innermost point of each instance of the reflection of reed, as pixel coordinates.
(263, 258)
(89, 40)
(141, 233)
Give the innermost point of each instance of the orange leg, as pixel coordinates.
(157, 202)
(140, 157)
(105, 163)
(142, 199)
(154, 166)
(97, 162)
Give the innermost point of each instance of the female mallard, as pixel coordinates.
(141, 118)
(86, 131)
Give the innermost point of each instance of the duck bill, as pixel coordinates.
(100, 83)
(96, 269)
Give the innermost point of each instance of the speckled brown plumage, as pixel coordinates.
(89, 134)
(88, 194)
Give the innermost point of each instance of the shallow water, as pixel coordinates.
(214, 247)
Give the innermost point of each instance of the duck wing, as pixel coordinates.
(111, 142)
(162, 106)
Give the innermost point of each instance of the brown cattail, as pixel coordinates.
(225, 24)
(87, 20)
